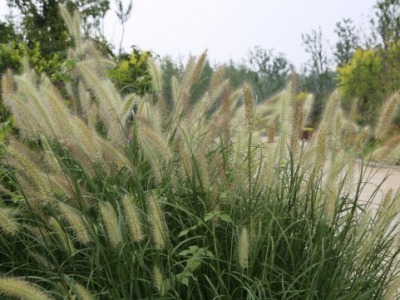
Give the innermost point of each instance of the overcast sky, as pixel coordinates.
(229, 28)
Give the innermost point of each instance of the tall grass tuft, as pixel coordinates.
(209, 197)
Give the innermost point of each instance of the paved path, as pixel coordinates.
(379, 180)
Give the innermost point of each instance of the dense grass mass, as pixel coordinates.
(129, 198)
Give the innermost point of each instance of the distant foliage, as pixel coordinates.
(12, 56)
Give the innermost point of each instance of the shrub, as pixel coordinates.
(131, 73)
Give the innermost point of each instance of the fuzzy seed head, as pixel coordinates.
(132, 219)
(61, 235)
(387, 114)
(360, 139)
(157, 223)
(321, 149)
(249, 105)
(41, 260)
(285, 109)
(110, 220)
(297, 123)
(7, 86)
(198, 68)
(156, 75)
(176, 90)
(158, 278)
(393, 157)
(18, 157)
(21, 289)
(386, 205)
(338, 163)
(331, 106)
(82, 292)
(8, 224)
(218, 74)
(76, 223)
(330, 206)
(307, 107)
(243, 248)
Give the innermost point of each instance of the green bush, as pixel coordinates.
(13, 53)
(131, 74)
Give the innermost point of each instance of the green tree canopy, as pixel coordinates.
(41, 21)
(361, 78)
(386, 22)
(317, 78)
(7, 32)
(347, 43)
(268, 71)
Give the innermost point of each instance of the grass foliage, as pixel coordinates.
(126, 198)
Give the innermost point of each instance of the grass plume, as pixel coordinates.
(18, 288)
(111, 224)
(157, 223)
(132, 219)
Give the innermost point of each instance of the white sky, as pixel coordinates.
(229, 28)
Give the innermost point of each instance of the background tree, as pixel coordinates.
(373, 73)
(268, 71)
(316, 76)
(41, 21)
(237, 73)
(386, 22)
(123, 16)
(8, 33)
(314, 46)
(92, 13)
(348, 41)
(387, 28)
(170, 68)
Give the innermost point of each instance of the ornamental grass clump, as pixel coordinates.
(217, 196)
